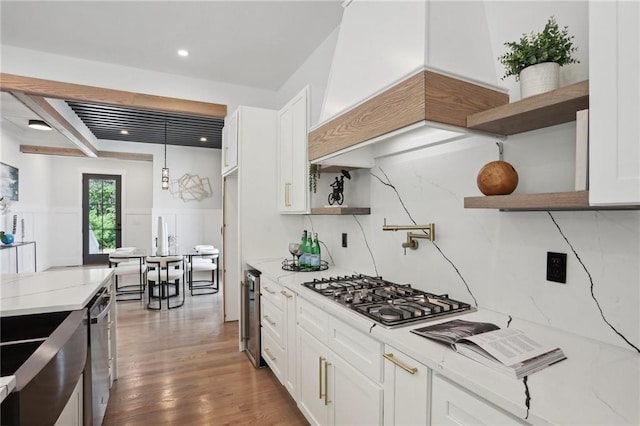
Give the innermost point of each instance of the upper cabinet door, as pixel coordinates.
(230, 144)
(614, 102)
(293, 123)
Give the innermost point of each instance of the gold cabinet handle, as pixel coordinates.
(285, 294)
(268, 290)
(326, 383)
(287, 194)
(268, 352)
(320, 359)
(269, 320)
(410, 370)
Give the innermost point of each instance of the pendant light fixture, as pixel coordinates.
(165, 170)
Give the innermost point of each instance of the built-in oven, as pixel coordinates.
(98, 361)
(250, 316)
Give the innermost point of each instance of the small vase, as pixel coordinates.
(539, 78)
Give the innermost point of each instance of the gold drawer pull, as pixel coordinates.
(269, 320)
(410, 370)
(285, 294)
(320, 359)
(326, 383)
(268, 290)
(268, 352)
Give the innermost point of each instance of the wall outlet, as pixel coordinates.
(344, 239)
(557, 267)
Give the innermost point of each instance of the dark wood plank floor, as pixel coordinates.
(182, 367)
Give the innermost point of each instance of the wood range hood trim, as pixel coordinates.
(423, 96)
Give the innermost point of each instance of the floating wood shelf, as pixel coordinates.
(578, 200)
(341, 210)
(536, 112)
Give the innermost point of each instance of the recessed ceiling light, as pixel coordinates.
(39, 125)
(183, 52)
(124, 132)
(203, 139)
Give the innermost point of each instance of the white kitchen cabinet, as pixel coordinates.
(291, 351)
(72, 414)
(453, 405)
(407, 385)
(230, 143)
(332, 392)
(293, 123)
(252, 225)
(277, 317)
(614, 104)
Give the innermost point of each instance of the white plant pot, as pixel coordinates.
(539, 78)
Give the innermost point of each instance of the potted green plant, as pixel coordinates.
(535, 59)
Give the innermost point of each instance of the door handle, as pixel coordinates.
(285, 294)
(410, 370)
(326, 383)
(287, 194)
(320, 359)
(268, 290)
(269, 320)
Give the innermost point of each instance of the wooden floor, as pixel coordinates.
(182, 367)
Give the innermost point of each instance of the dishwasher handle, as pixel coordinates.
(104, 307)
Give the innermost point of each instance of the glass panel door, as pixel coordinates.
(101, 222)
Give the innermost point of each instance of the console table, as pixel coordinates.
(15, 246)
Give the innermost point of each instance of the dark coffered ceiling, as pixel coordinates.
(107, 122)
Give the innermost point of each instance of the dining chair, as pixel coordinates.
(205, 261)
(165, 276)
(124, 265)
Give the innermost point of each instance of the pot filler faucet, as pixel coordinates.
(429, 232)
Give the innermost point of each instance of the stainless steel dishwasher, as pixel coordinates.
(99, 354)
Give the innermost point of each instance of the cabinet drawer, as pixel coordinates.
(273, 354)
(271, 291)
(453, 405)
(272, 319)
(358, 349)
(313, 319)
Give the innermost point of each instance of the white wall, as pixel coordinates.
(313, 72)
(33, 206)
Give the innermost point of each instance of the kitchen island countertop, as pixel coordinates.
(50, 291)
(597, 384)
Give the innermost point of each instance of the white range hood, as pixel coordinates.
(383, 43)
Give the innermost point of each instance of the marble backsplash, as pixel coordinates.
(495, 259)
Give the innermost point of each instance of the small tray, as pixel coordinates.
(290, 265)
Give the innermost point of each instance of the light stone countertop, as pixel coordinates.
(597, 384)
(51, 291)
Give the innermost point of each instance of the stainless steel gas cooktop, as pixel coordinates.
(387, 303)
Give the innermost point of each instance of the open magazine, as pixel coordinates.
(506, 350)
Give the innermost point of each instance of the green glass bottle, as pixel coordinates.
(302, 260)
(315, 253)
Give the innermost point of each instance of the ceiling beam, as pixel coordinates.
(90, 94)
(48, 113)
(72, 152)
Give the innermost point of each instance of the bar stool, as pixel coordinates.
(205, 261)
(164, 276)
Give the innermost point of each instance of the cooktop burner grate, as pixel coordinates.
(387, 303)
